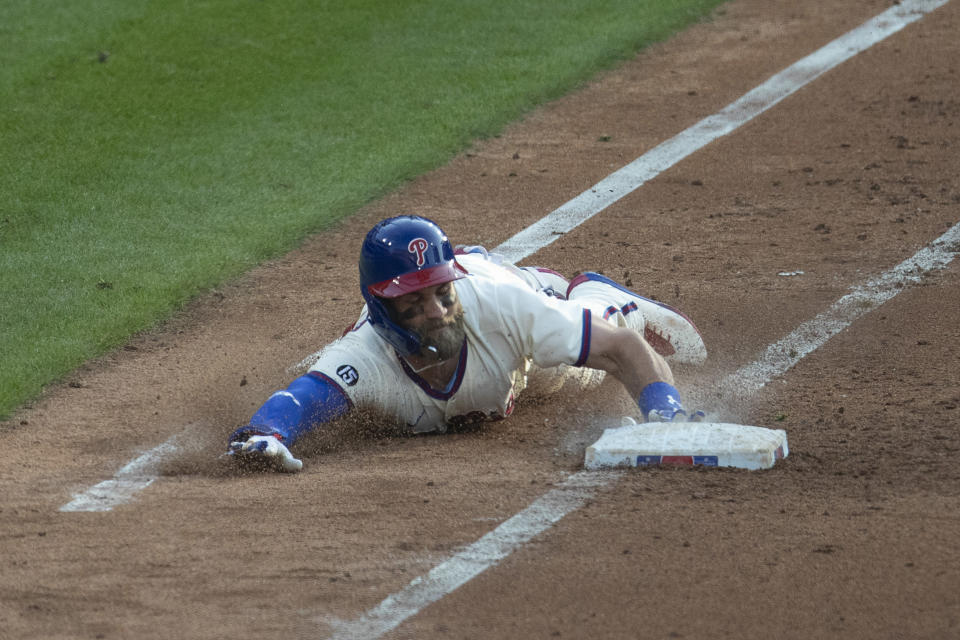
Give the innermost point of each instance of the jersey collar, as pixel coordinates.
(451, 388)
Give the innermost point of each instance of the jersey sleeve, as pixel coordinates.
(560, 333)
(361, 364)
(547, 330)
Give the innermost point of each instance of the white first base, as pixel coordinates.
(712, 444)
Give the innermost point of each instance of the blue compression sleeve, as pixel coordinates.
(309, 400)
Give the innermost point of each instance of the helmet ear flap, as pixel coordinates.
(406, 342)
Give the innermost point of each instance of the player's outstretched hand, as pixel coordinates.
(264, 452)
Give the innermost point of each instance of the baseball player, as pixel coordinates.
(451, 337)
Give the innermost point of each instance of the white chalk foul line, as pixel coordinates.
(811, 335)
(135, 476)
(532, 521)
(475, 559)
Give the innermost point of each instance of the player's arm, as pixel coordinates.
(309, 401)
(624, 354)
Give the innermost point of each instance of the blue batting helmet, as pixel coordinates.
(401, 255)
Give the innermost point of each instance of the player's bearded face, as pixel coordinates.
(436, 315)
(445, 335)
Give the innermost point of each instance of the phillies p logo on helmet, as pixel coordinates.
(419, 247)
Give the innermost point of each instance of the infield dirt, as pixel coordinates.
(855, 535)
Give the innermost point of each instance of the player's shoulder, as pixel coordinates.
(360, 342)
(493, 301)
(488, 288)
(479, 265)
(486, 270)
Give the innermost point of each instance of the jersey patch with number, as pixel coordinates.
(348, 374)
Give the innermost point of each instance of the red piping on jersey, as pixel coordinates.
(336, 385)
(430, 391)
(354, 327)
(580, 279)
(584, 340)
(556, 273)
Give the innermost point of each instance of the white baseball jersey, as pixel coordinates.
(509, 326)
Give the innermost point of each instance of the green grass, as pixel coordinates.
(153, 150)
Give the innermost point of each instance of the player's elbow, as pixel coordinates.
(624, 354)
(611, 349)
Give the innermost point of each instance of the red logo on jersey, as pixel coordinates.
(418, 246)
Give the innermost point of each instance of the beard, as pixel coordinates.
(443, 339)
